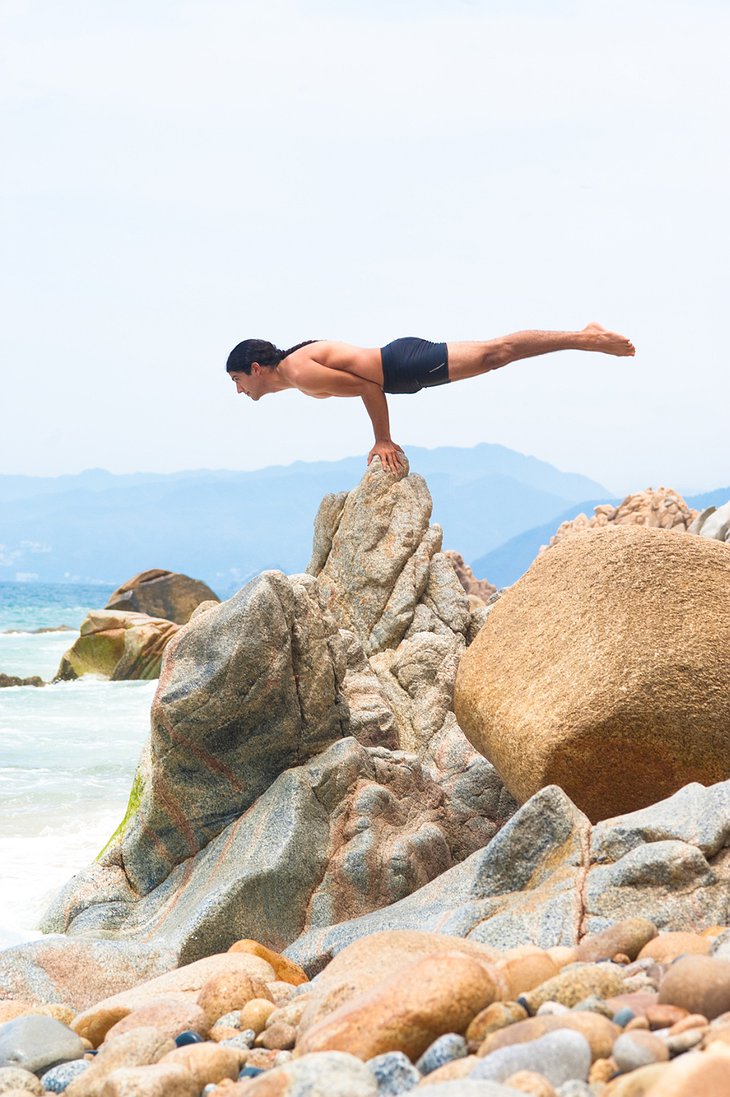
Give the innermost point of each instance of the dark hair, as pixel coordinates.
(259, 350)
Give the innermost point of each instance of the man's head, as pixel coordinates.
(251, 365)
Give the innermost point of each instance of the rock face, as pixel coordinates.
(549, 877)
(604, 670)
(159, 593)
(304, 764)
(660, 509)
(117, 646)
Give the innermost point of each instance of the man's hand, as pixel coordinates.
(388, 452)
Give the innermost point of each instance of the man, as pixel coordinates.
(322, 367)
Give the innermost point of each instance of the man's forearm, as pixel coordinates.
(376, 406)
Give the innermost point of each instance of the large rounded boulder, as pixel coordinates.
(158, 593)
(606, 670)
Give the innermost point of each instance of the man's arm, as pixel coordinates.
(316, 380)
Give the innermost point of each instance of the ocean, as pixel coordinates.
(67, 751)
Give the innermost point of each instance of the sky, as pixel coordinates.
(179, 176)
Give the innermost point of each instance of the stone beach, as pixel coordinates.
(323, 888)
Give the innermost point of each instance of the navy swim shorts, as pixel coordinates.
(410, 365)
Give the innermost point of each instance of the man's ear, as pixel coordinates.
(255, 367)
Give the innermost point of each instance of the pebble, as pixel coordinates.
(597, 1030)
(446, 1048)
(139, 1047)
(601, 1071)
(575, 983)
(242, 1040)
(16, 1078)
(286, 970)
(444, 990)
(230, 1020)
(637, 1023)
(668, 946)
(575, 1088)
(457, 1068)
(559, 1056)
(37, 1043)
(208, 1062)
(492, 1019)
(57, 1078)
(170, 1016)
(255, 1014)
(528, 1081)
(623, 1016)
(394, 1073)
(683, 1041)
(280, 1036)
(628, 936)
(188, 1036)
(665, 1016)
(690, 1020)
(227, 991)
(158, 1080)
(700, 984)
(638, 1049)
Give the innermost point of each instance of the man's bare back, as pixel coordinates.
(326, 368)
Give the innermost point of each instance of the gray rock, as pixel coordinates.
(354, 829)
(394, 1073)
(159, 593)
(37, 1043)
(57, 1078)
(560, 1056)
(482, 897)
(443, 1050)
(631, 1053)
(325, 1074)
(574, 1088)
(666, 862)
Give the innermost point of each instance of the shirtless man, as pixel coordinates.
(322, 367)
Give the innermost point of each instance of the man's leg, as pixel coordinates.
(469, 359)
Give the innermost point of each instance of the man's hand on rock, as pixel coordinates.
(389, 454)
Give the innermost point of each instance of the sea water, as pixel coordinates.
(67, 752)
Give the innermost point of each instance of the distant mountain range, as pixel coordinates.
(224, 527)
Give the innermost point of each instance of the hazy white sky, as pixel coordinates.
(179, 176)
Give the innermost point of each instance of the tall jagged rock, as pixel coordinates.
(252, 814)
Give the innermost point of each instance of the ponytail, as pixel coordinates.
(259, 350)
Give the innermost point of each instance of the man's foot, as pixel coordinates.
(608, 342)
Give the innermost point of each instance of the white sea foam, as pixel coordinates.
(67, 758)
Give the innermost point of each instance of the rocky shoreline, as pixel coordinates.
(387, 835)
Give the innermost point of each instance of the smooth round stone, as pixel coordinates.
(207, 1090)
(443, 1050)
(250, 1072)
(37, 1044)
(57, 1078)
(229, 1020)
(623, 1016)
(527, 1081)
(574, 1088)
(394, 1073)
(700, 984)
(638, 1049)
(188, 1037)
(559, 1056)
